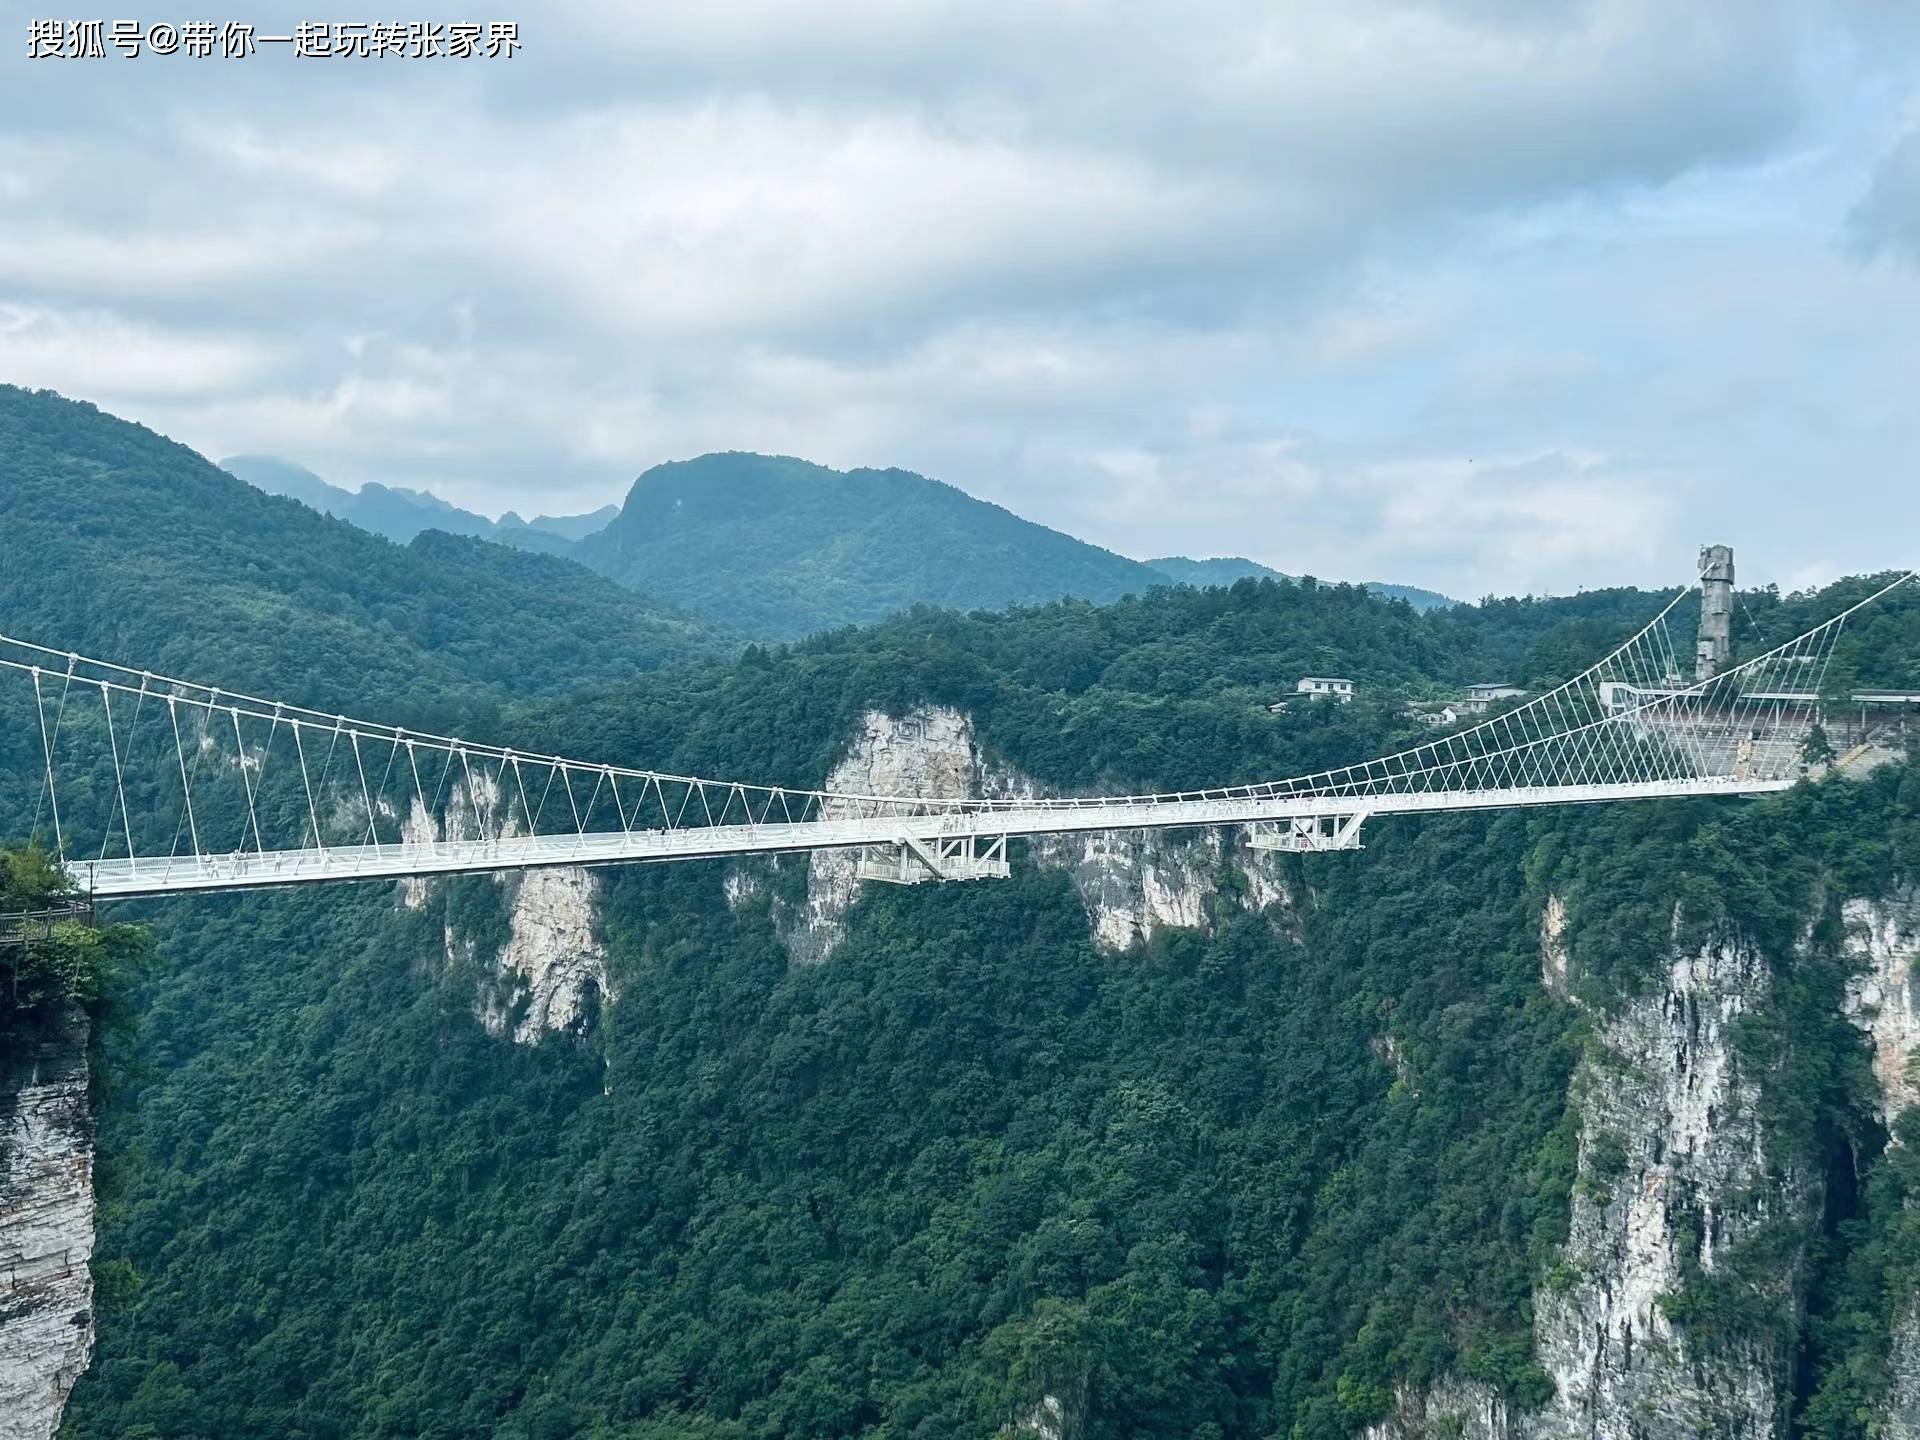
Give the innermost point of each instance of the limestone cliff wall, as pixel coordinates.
(553, 967)
(1133, 883)
(1672, 1176)
(1453, 1408)
(46, 1224)
(1883, 941)
(1671, 1166)
(929, 752)
(1901, 1420)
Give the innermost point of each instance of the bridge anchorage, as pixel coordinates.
(146, 785)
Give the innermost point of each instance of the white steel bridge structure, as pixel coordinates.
(150, 785)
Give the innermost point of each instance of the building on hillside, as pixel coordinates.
(1480, 698)
(1322, 687)
(1436, 719)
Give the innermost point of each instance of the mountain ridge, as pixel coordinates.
(825, 547)
(1226, 569)
(399, 513)
(238, 579)
(704, 567)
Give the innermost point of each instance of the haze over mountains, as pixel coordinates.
(400, 514)
(237, 580)
(778, 547)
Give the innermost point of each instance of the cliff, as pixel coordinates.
(1133, 883)
(1883, 1000)
(46, 1224)
(1673, 1180)
(550, 972)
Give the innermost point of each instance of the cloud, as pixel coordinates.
(1887, 219)
(1299, 504)
(1363, 288)
(88, 351)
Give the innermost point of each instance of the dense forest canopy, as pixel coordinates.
(972, 1156)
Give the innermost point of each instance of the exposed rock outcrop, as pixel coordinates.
(1883, 999)
(553, 968)
(46, 1224)
(1556, 965)
(1137, 882)
(419, 829)
(928, 752)
(1454, 1409)
(1672, 1176)
(1902, 1416)
(1133, 883)
(1053, 1418)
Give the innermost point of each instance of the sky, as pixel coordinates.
(1492, 296)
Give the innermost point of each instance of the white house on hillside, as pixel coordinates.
(1321, 687)
(1480, 698)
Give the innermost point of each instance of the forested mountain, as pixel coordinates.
(122, 544)
(570, 527)
(781, 548)
(1225, 569)
(1316, 1142)
(400, 514)
(1242, 1179)
(1220, 570)
(778, 548)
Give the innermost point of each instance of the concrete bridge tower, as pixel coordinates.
(1716, 612)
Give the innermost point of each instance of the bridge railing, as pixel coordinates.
(28, 927)
(143, 769)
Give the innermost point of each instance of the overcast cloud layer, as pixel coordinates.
(1494, 295)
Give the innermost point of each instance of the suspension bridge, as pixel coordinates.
(149, 785)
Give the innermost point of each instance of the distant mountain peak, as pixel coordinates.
(782, 547)
(1226, 569)
(400, 513)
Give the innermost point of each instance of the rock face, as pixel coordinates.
(1902, 1418)
(1137, 882)
(553, 968)
(929, 752)
(1456, 1409)
(1133, 883)
(1556, 966)
(1670, 1164)
(1883, 940)
(1053, 1418)
(46, 1225)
